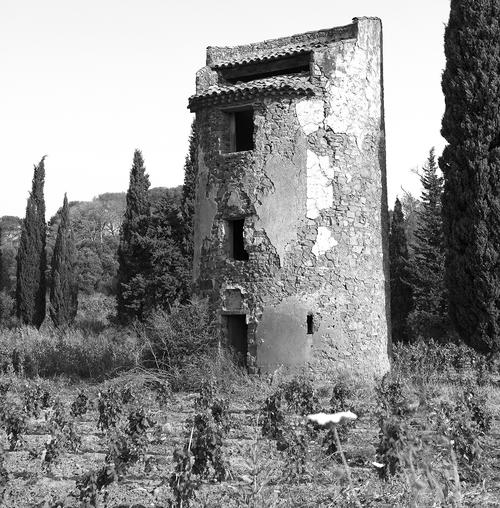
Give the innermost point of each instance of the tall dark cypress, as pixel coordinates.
(31, 256)
(64, 286)
(2, 282)
(471, 169)
(401, 295)
(189, 191)
(134, 258)
(429, 317)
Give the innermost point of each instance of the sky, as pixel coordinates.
(86, 82)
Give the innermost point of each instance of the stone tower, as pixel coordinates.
(290, 232)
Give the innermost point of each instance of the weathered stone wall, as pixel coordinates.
(313, 196)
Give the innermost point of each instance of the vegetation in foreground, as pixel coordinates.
(426, 435)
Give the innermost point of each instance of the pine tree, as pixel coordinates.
(429, 317)
(471, 169)
(64, 287)
(31, 257)
(189, 192)
(401, 296)
(134, 258)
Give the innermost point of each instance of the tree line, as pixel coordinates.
(137, 248)
(450, 284)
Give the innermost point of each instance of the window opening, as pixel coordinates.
(240, 130)
(235, 239)
(295, 64)
(237, 335)
(310, 324)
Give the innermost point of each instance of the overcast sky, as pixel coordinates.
(88, 81)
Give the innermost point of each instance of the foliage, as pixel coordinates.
(31, 256)
(465, 423)
(183, 342)
(429, 317)
(470, 165)
(394, 433)
(169, 278)
(80, 405)
(206, 446)
(401, 296)
(427, 361)
(189, 191)
(91, 483)
(109, 407)
(10, 235)
(63, 287)
(182, 481)
(128, 445)
(35, 399)
(50, 352)
(15, 424)
(280, 421)
(210, 426)
(411, 208)
(342, 392)
(133, 300)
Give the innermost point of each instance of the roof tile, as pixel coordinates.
(286, 84)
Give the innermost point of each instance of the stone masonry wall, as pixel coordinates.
(314, 200)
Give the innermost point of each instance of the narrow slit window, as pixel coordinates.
(236, 241)
(310, 324)
(241, 126)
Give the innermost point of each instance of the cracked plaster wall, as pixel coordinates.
(313, 196)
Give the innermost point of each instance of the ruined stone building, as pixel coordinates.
(290, 220)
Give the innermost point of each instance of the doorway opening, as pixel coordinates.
(237, 335)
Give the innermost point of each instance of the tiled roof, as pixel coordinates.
(277, 85)
(283, 52)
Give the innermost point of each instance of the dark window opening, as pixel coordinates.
(237, 335)
(240, 130)
(235, 239)
(295, 64)
(310, 324)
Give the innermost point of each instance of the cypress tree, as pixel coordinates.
(2, 282)
(429, 317)
(171, 268)
(401, 296)
(64, 287)
(134, 259)
(31, 257)
(471, 169)
(189, 191)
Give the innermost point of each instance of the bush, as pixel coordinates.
(428, 361)
(185, 344)
(48, 352)
(186, 332)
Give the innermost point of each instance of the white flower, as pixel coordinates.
(335, 418)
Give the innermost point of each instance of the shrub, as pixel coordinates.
(392, 400)
(342, 391)
(181, 335)
(35, 399)
(465, 422)
(109, 407)
(80, 405)
(14, 422)
(48, 352)
(185, 344)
